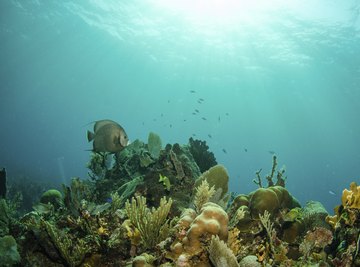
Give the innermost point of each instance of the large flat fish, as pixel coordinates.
(108, 136)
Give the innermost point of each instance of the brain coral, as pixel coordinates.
(271, 199)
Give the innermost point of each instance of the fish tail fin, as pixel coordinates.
(90, 136)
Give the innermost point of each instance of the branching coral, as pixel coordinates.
(152, 224)
(202, 195)
(220, 254)
(269, 227)
(280, 177)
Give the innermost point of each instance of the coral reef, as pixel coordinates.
(126, 214)
(346, 226)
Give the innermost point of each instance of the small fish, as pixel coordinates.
(194, 113)
(168, 101)
(192, 91)
(245, 149)
(219, 119)
(170, 125)
(271, 152)
(332, 193)
(184, 120)
(201, 99)
(194, 135)
(227, 114)
(197, 111)
(209, 135)
(203, 118)
(224, 150)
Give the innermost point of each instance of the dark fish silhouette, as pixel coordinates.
(201, 99)
(108, 136)
(219, 119)
(245, 149)
(224, 150)
(197, 111)
(193, 134)
(209, 135)
(192, 91)
(203, 118)
(194, 113)
(227, 114)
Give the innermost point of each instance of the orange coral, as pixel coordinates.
(351, 198)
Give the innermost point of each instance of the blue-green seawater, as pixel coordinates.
(279, 77)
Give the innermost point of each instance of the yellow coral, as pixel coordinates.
(351, 198)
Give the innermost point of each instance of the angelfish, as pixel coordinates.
(108, 136)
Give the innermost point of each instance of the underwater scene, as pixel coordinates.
(205, 133)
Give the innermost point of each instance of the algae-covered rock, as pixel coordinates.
(53, 197)
(314, 214)
(154, 145)
(9, 254)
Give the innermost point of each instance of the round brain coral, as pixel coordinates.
(271, 199)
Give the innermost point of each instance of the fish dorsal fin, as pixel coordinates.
(101, 123)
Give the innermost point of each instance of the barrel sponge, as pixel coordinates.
(351, 198)
(212, 220)
(216, 176)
